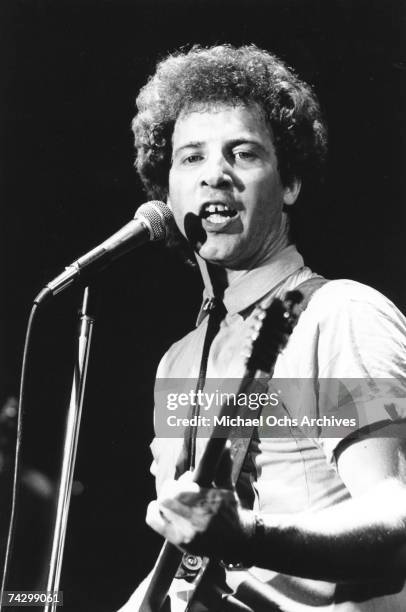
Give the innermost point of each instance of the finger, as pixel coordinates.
(186, 477)
(180, 497)
(155, 518)
(173, 488)
(169, 524)
(178, 528)
(224, 470)
(187, 505)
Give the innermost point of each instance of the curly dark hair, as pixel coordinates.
(225, 74)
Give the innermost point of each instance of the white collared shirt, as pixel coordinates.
(350, 333)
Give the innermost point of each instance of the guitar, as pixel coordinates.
(270, 328)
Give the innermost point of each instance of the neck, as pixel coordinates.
(231, 275)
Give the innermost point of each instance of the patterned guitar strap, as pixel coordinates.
(239, 446)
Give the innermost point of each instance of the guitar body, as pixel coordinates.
(213, 593)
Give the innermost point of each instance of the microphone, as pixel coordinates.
(151, 222)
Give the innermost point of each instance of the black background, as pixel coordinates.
(70, 71)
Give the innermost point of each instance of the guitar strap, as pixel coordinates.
(239, 445)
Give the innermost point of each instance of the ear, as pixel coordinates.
(291, 192)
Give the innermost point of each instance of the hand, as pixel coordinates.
(204, 521)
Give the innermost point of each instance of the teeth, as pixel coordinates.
(213, 208)
(218, 212)
(216, 218)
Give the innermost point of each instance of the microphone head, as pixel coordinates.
(157, 216)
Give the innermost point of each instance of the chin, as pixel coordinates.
(224, 262)
(214, 256)
(222, 255)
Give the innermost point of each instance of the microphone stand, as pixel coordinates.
(69, 452)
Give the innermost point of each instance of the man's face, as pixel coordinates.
(225, 172)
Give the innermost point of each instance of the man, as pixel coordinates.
(228, 136)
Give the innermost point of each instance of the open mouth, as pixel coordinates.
(217, 212)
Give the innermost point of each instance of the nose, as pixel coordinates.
(217, 173)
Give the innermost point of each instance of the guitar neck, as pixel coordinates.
(164, 572)
(207, 467)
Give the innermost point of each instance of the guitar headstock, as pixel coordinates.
(271, 328)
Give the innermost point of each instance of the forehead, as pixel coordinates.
(220, 121)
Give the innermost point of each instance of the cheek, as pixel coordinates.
(181, 199)
(178, 191)
(178, 215)
(269, 198)
(175, 201)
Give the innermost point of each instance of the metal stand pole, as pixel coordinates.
(69, 451)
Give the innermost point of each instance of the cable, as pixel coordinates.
(17, 466)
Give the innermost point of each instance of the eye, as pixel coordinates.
(192, 159)
(244, 156)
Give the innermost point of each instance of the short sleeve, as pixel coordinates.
(361, 352)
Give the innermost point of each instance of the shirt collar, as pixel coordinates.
(251, 285)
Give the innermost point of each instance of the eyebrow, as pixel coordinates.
(196, 144)
(238, 141)
(193, 144)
